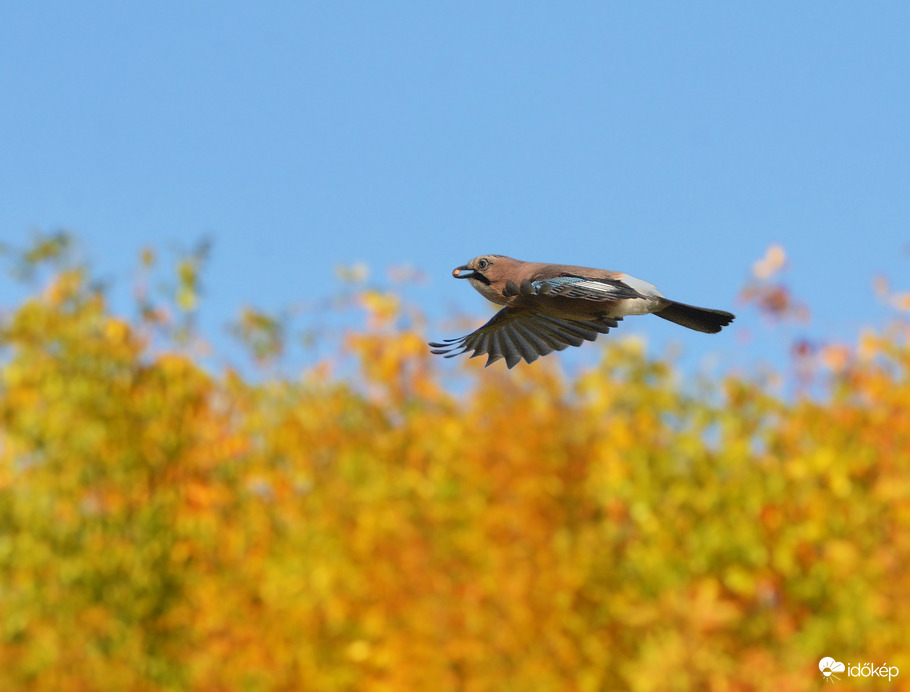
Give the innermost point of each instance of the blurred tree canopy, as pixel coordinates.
(164, 527)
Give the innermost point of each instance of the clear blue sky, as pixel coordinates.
(674, 141)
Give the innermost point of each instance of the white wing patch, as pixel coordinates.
(621, 288)
(597, 287)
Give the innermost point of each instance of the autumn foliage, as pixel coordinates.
(390, 521)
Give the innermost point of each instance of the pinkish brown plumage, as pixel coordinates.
(549, 307)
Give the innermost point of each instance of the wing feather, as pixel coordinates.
(522, 333)
(519, 347)
(582, 288)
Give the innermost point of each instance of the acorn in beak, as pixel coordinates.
(463, 272)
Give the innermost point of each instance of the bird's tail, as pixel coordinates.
(699, 319)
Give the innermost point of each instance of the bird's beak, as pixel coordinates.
(457, 272)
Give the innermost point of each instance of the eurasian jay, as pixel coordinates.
(549, 307)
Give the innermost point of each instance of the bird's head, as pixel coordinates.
(476, 269)
(486, 274)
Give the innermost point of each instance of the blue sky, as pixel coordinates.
(673, 141)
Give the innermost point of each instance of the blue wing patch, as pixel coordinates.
(584, 288)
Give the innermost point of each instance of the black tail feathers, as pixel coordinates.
(699, 319)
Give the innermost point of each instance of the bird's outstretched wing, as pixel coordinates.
(516, 333)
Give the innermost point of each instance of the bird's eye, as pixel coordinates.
(482, 264)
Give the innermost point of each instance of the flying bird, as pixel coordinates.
(549, 307)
